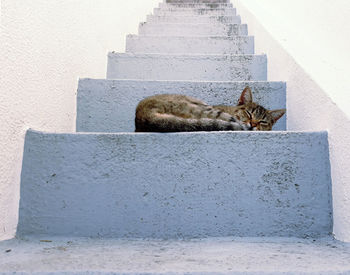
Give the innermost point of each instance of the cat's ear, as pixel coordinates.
(277, 114)
(246, 96)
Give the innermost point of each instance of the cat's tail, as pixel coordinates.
(157, 122)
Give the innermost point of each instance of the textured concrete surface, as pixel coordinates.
(195, 12)
(224, 256)
(109, 105)
(195, 19)
(191, 29)
(176, 185)
(190, 45)
(187, 67)
(196, 5)
(195, 1)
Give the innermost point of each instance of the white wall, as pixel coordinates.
(317, 35)
(307, 44)
(45, 47)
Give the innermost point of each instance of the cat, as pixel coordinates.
(181, 113)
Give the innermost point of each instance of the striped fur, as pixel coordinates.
(180, 113)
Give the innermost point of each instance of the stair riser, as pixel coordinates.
(176, 185)
(195, 1)
(187, 67)
(195, 20)
(155, 29)
(195, 12)
(190, 45)
(109, 105)
(195, 5)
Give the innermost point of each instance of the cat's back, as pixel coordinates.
(180, 113)
(167, 103)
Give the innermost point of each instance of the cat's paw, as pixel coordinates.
(232, 119)
(238, 126)
(247, 127)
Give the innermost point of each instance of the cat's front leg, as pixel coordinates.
(240, 125)
(222, 125)
(228, 122)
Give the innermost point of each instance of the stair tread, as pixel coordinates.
(189, 56)
(220, 37)
(193, 256)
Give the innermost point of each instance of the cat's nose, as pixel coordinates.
(253, 124)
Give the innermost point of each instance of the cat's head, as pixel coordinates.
(254, 115)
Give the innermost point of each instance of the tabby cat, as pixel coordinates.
(180, 113)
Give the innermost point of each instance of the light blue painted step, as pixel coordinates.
(196, 1)
(195, 11)
(195, 5)
(179, 185)
(194, 19)
(109, 105)
(214, 256)
(187, 67)
(191, 29)
(190, 45)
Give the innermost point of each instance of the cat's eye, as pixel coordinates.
(264, 122)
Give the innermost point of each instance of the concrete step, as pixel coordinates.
(109, 105)
(231, 45)
(194, 19)
(196, 1)
(214, 6)
(195, 12)
(195, 5)
(187, 67)
(151, 185)
(222, 256)
(188, 29)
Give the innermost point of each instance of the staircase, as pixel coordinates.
(105, 200)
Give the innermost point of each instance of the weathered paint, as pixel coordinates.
(195, 5)
(194, 19)
(214, 256)
(187, 67)
(190, 44)
(109, 105)
(195, 12)
(195, 1)
(176, 185)
(191, 29)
